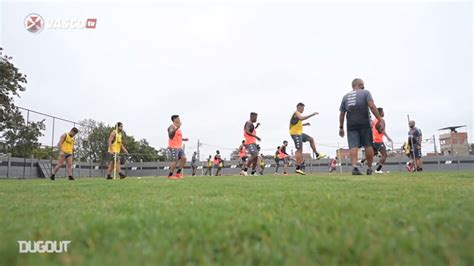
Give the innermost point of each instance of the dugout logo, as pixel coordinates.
(43, 246)
(34, 23)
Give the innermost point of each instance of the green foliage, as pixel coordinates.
(395, 219)
(140, 150)
(12, 82)
(92, 144)
(92, 140)
(21, 138)
(163, 155)
(45, 153)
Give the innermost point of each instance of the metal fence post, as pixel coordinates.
(438, 162)
(8, 165)
(52, 147)
(459, 162)
(399, 159)
(31, 165)
(24, 155)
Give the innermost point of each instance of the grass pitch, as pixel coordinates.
(395, 219)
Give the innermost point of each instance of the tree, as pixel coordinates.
(21, 137)
(163, 155)
(92, 144)
(92, 140)
(45, 153)
(12, 81)
(140, 150)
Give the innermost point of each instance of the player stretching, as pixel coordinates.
(193, 163)
(379, 146)
(250, 136)
(296, 132)
(209, 166)
(175, 146)
(115, 147)
(242, 156)
(218, 164)
(262, 164)
(282, 156)
(66, 148)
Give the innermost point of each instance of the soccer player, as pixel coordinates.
(209, 166)
(218, 163)
(379, 146)
(414, 138)
(175, 146)
(356, 105)
(262, 164)
(115, 147)
(66, 148)
(332, 165)
(251, 138)
(242, 156)
(282, 156)
(193, 163)
(277, 160)
(296, 132)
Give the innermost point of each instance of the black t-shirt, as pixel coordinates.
(355, 105)
(414, 135)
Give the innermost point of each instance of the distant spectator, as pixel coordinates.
(414, 138)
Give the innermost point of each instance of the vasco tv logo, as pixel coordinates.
(34, 23)
(43, 246)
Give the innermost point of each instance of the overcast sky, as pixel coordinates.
(214, 63)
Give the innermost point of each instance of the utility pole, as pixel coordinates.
(198, 153)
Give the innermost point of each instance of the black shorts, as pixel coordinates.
(243, 159)
(379, 147)
(109, 157)
(358, 138)
(66, 155)
(252, 148)
(417, 152)
(176, 154)
(299, 140)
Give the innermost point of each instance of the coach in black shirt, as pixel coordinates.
(355, 107)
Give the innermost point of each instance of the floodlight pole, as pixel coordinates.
(52, 145)
(24, 155)
(198, 153)
(339, 157)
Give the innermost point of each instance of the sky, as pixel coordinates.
(213, 64)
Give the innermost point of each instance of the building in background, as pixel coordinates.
(454, 142)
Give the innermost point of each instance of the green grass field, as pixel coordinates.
(397, 219)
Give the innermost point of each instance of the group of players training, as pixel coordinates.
(354, 108)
